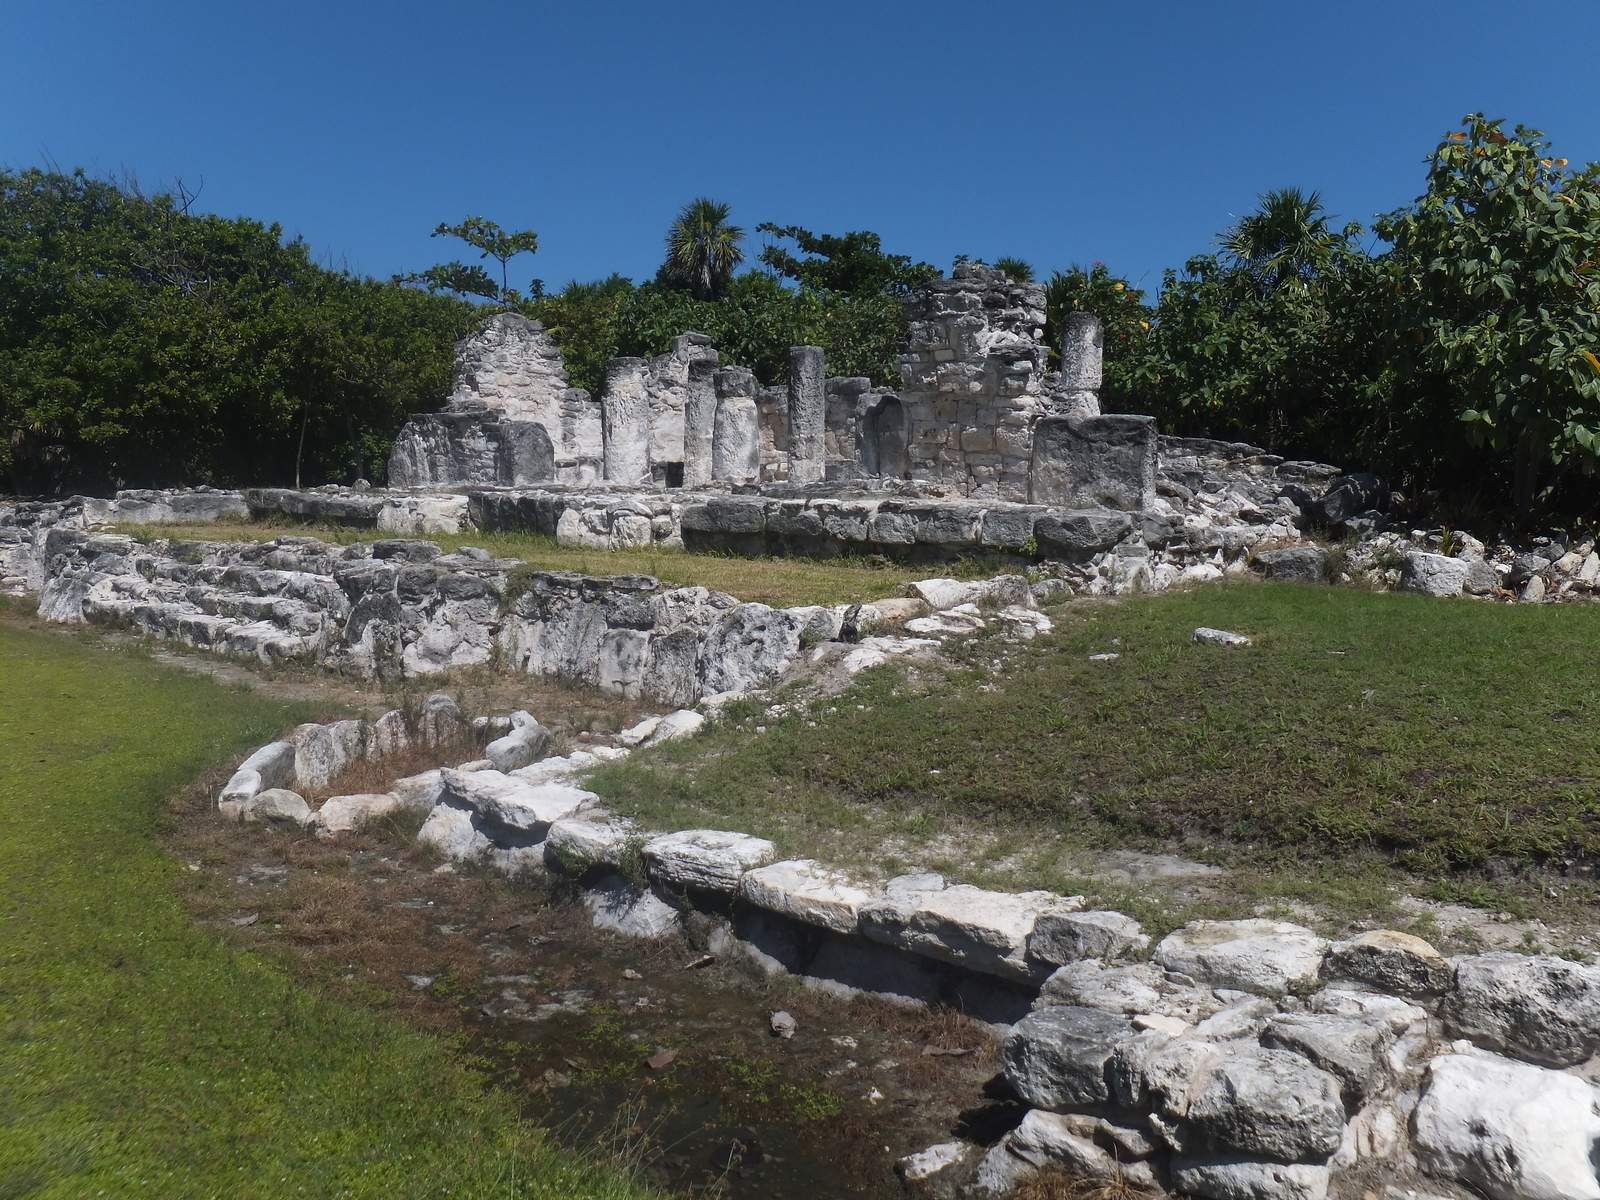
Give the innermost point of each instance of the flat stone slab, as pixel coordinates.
(711, 860)
(530, 809)
(1270, 958)
(968, 926)
(806, 891)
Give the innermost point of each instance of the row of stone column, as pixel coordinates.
(721, 429)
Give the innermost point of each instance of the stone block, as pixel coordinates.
(1514, 1132)
(1270, 958)
(1083, 531)
(1056, 1058)
(968, 926)
(1536, 1007)
(1396, 963)
(1295, 564)
(1084, 461)
(1432, 574)
(711, 860)
(807, 891)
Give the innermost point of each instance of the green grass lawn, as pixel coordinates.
(1433, 735)
(776, 581)
(141, 1055)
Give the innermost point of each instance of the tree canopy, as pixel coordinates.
(142, 344)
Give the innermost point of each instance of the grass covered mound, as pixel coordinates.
(140, 1054)
(1440, 733)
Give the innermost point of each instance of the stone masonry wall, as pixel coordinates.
(973, 373)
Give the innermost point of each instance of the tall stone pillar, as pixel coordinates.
(1082, 343)
(736, 439)
(808, 415)
(700, 423)
(625, 417)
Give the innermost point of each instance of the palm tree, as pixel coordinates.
(702, 248)
(1285, 241)
(1017, 270)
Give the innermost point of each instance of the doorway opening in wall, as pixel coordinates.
(674, 473)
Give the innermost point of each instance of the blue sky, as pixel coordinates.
(1056, 132)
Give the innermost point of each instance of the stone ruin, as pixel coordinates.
(977, 414)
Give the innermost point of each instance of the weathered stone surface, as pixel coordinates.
(276, 805)
(1083, 531)
(388, 735)
(1514, 1132)
(936, 1160)
(736, 434)
(1540, 1008)
(807, 414)
(1082, 348)
(1130, 989)
(512, 804)
(525, 744)
(451, 832)
(1081, 461)
(1392, 962)
(1207, 636)
(339, 814)
(625, 413)
(711, 860)
(1238, 1178)
(1350, 1048)
(1066, 937)
(1270, 958)
(1432, 574)
(619, 905)
(1268, 1103)
(971, 927)
(272, 766)
(1295, 564)
(419, 792)
(941, 594)
(1351, 494)
(1056, 1058)
(575, 845)
(1046, 1139)
(806, 891)
(1481, 579)
(323, 752)
(681, 724)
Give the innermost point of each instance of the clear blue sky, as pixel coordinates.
(1058, 132)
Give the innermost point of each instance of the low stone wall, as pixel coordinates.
(1232, 1059)
(401, 608)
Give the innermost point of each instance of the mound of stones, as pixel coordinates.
(1232, 1060)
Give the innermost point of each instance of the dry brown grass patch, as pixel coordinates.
(1057, 1183)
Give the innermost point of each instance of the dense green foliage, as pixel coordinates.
(144, 1056)
(848, 300)
(143, 345)
(1456, 360)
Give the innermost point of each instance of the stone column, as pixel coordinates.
(808, 415)
(625, 417)
(736, 439)
(1082, 343)
(699, 423)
